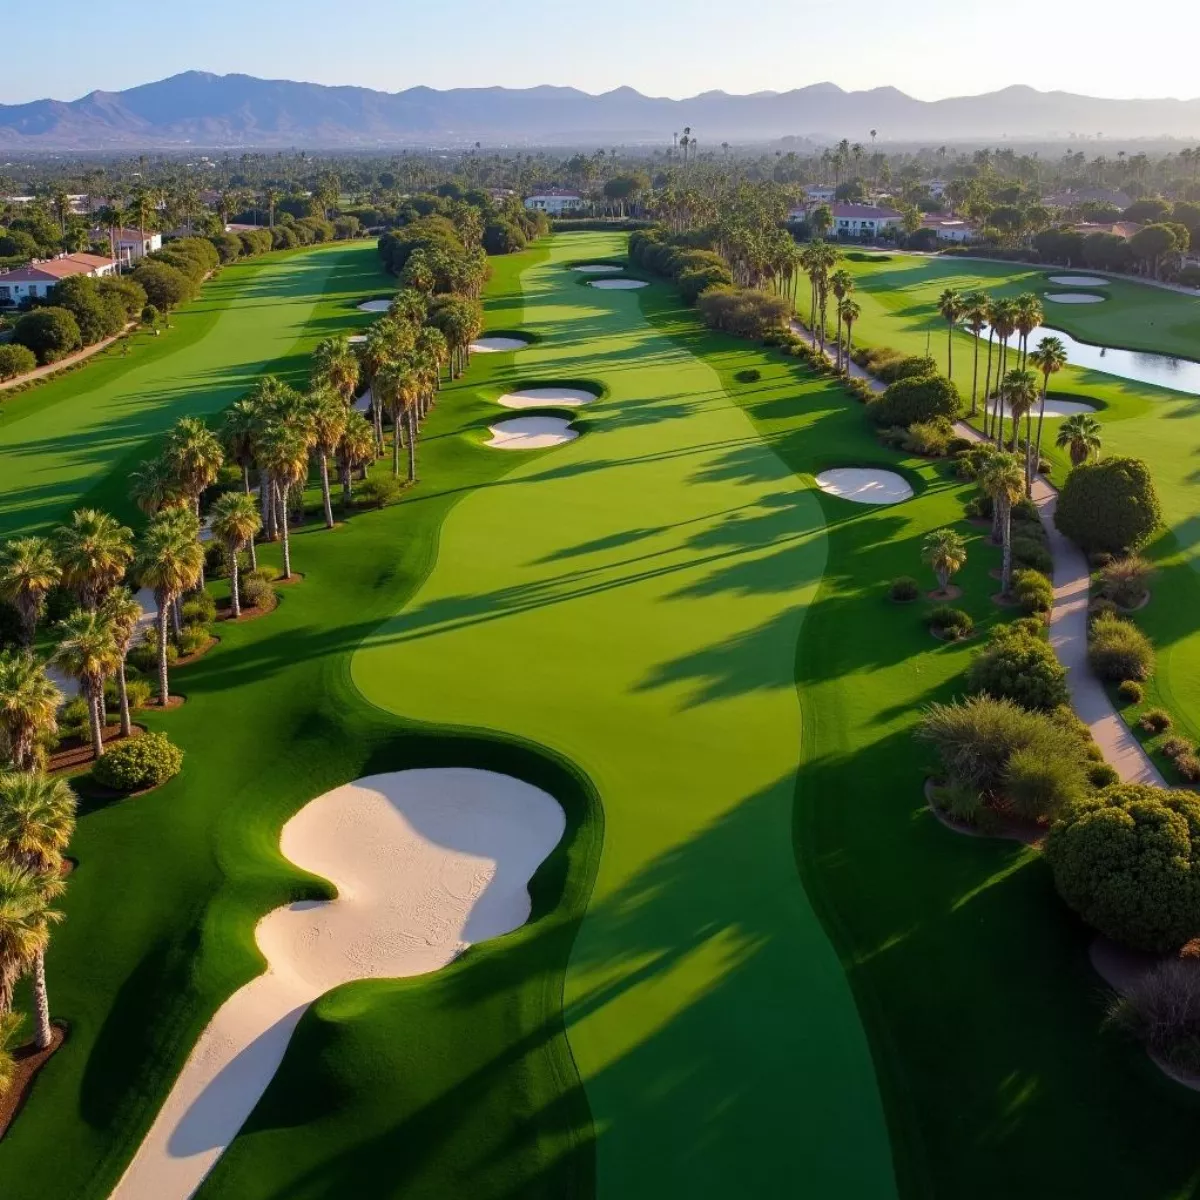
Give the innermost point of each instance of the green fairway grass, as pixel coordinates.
(899, 308)
(74, 438)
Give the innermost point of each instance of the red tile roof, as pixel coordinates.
(57, 268)
(866, 212)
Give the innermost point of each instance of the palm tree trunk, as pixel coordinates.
(838, 361)
(949, 349)
(1037, 458)
(235, 590)
(176, 619)
(987, 388)
(283, 531)
(43, 1033)
(325, 496)
(395, 445)
(246, 479)
(164, 602)
(347, 487)
(123, 692)
(94, 726)
(975, 378)
(412, 446)
(1006, 535)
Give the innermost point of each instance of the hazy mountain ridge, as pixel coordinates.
(201, 109)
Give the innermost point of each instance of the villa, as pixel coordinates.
(554, 201)
(863, 220)
(129, 245)
(950, 228)
(37, 279)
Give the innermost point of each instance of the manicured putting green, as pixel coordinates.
(633, 603)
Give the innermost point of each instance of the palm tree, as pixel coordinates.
(88, 652)
(28, 570)
(945, 551)
(1003, 479)
(152, 487)
(1004, 323)
(1050, 357)
(170, 559)
(355, 450)
(841, 284)
(25, 920)
(194, 457)
(950, 305)
(336, 367)
(94, 551)
(284, 453)
(123, 615)
(37, 820)
(1028, 315)
(327, 414)
(1079, 435)
(235, 522)
(1018, 393)
(239, 425)
(849, 312)
(29, 703)
(976, 309)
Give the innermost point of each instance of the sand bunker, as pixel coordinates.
(426, 863)
(865, 485)
(1078, 281)
(375, 305)
(531, 433)
(539, 397)
(618, 285)
(1073, 298)
(597, 268)
(497, 345)
(357, 339)
(1054, 408)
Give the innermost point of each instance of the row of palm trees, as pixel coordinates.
(820, 262)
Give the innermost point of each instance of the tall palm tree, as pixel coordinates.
(327, 415)
(432, 342)
(88, 652)
(28, 570)
(194, 457)
(1004, 322)
(394, 386)
(94, 551)
(976, 309)
(987, 381)
(1049, 358)
(945, 551)
(170, 559)
(123, 615)
(1004, 480)
(25, 920)
(841, 284)
(152, 486)
(284, 453)
(239, 425)
(336, 367)
(1027, 316)
(849, 312)
(37, 820)
(356, 449)
(950, 305)
(1080, 436)
(235, 522)
(1018, 393)
(29, 703)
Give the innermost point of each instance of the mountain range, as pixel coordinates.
(202, 110)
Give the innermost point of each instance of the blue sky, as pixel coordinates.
(662, 47)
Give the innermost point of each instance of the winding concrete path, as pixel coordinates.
(1068, 625)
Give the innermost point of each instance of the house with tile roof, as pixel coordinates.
(36, 279)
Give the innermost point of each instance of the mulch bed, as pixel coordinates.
(953, 592)
(224, 611)
(185, 659)
(1000, 825)
(74, 752)
(29, 1062)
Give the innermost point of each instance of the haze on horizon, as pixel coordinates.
(674, 48)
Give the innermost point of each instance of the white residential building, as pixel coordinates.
(863, 220)
(554, 201)
(949, 228)
(130, 245)
(36, 280)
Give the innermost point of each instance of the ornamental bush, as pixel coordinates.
(51, 333)
(1127, 860)
(165, 286)
(1109, 506)
(16, 360)
(745, 312)
(1119, 650)
(904, 589)
(1034, 592)
(1017, 667)
(139, 762)
(951, 623)
(1028, 552)
(1155, 721)
(503, 237)
(920, 399)
(380, 490)
(1125, 581)
(1130, 692)
(1038, 787)
(255, 592)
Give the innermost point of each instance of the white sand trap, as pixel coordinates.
(67, 684)
(497, 345)
(1073, 298)
(1078, 281)
(1054, 408)
(539, 397)
(865, 485)
(531, 433)
(426, 863)
(597, 268)
(375, 305)
(618, 285)
(357, 339)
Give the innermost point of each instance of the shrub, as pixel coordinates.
(51, 333)
(1173, 747)
(165, 285)
(199, 609)
(745, 312)
(1130, 691)
(1188, 766)
(1101, 608)
(1155, 720)
(255, 592)
(192, 640)
(73, 718)
(890, 365)
(961, 803)
(1125, 581)
(1034, 592)
(1100, 559)
(150, 315)
(959, 445)
(921, 399)
(951, 623)
(979, 507)
(16, 360)
(1029, 553)
(1127, 860)
(1162, 1009)
(137, 689)
(976, 737)
(1118, 650)
(1101, 775)
(751, 375)
(930, 438)
(1038, 787)
(503, 237)
(904, 588)
(137, 763)
(1022, 669)
(1110, 505)
(695, 282)
(380, 490)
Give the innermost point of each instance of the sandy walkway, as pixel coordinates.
(426, 863)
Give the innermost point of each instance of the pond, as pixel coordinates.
(1162, 370)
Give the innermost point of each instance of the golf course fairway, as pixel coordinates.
(632, 601)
